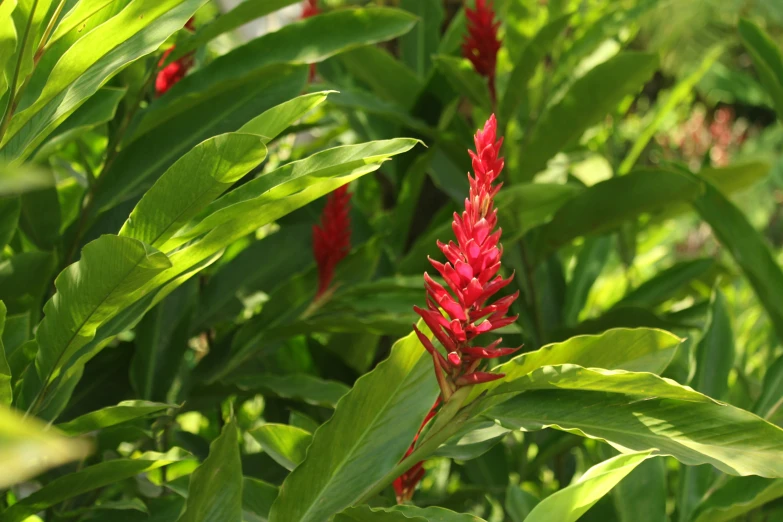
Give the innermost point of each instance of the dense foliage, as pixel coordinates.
(247, 278)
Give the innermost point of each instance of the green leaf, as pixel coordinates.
(274, 121)
(589, 264)
(111, 416)
(161, 343)
(192, 183)
(570, 503)
(7, 47)
(525, 206)
(418, 45)
(666, 283)
(83, 11)
(240, 15)
(257, 499)
(369, 432)
(565, 121)
(737, 496)
(736, 177)
(387, 77)
(100, 108)
(476, 438)
(748, 249)
(535, 50)
(10, 209)
(287, 445)
(116, 268)
(6, 391)
(519, 503)
(715, 352)
(403, 513)
(29, 18)
(306, 388)
(677, 95)
(40, 217)
(21, 179)
(767, 58)
(215, 490)
(641, 349)
(464, 78)
(641, 496)
(138, 165)
(303, 42)
(606, 205)
(24, 278)
(771, 399)
(86, 480)
(137, 30)
(21, 437)
(641, 411)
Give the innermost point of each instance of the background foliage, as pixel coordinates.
(162, 357)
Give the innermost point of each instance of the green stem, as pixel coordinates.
(48, 32)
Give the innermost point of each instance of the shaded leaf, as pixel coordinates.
(287, 445)
(111, 416)
(737, 496)
(464, 78)
(767, 58)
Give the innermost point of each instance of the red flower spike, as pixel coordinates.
(479, 377)
(172, 73)
(332, 239)
(481, 44)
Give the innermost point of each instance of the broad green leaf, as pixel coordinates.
(117, 269)
(369, 432)
(339, 161)
(241, 14)
(306, 388)
(287, 445)
(771, 399)
(641, 349)
(8, 39)
(352, 100)
(98, 109)
(83, 11)
(6, 391)
(737, 496)
(677, 95)
(257, 499)
(606, 205)
(525, 67)
(303, 42)
(748, 249)
(161, 343)
(735, 177)
(476, 438)
(138, 165)
(465, 80)
(24, 278)
(40, 217)
(387, 77)
(640, 411)
(30, 18)
(28, 448)
(192, 183)
(767, 58)
(571, 502)
(215, 490)
(418, 45)
(111, 416)
(715, 351)
(403, 513)
(589, 264)
(519, 502)
(525, 206)
(86, 480)
(18, 180)
(10, 208)
(137, 30)
(273, 121)
(666, 283)
(564, 122)
(642, 495)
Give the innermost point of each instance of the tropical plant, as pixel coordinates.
(211, 296)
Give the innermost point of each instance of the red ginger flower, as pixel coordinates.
(471, 276)
(176, 70)
(332, 239)
(481, 44)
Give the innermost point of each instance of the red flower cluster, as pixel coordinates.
(481, 44)
(405, 484)
(176, 70)
(310, 8)
(332, 239)
(471, 275)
